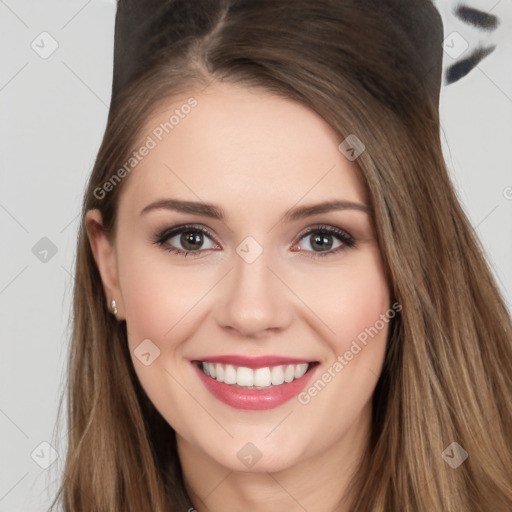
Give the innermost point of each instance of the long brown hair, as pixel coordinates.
(446, 376)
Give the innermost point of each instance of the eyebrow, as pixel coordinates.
(215, 212)
(477, 18)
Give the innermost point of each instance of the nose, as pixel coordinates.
(253, 302)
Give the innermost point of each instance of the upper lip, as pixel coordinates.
(253, 362)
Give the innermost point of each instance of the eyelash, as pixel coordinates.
(347, 241)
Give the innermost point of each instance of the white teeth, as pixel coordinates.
(244, 376)
(300, 370)
(254, 378)
(229, 374)
(289, 373)
(262, 377)
(219, 372)
(277, 375)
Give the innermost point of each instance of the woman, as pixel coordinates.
(279, 301)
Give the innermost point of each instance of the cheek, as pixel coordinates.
(358, 311)
(348, 299)
(364, 299)
(159, 299)
(160, 303)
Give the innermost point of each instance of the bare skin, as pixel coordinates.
(255, 156)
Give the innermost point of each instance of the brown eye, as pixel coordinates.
(324, 241)
(186, 240)
(321, 242)
(191, 240)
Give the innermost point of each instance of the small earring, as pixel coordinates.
(113, 307)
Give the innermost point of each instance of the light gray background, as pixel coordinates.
(52, 116)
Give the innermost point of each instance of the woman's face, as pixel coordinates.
(274, 284)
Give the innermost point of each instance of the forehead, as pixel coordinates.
(248, 142)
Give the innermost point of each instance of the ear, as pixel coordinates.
(104, 253)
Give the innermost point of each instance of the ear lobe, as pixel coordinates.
(105, 256)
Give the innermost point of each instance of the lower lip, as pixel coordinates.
(254, 399)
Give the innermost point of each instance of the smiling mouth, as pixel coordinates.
(258, 378)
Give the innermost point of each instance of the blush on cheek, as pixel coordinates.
(354, 304)
(365, 310)
(161, 302)
(145, 312)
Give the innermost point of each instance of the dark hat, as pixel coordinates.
(142, 27)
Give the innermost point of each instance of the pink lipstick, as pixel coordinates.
(254, 383)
